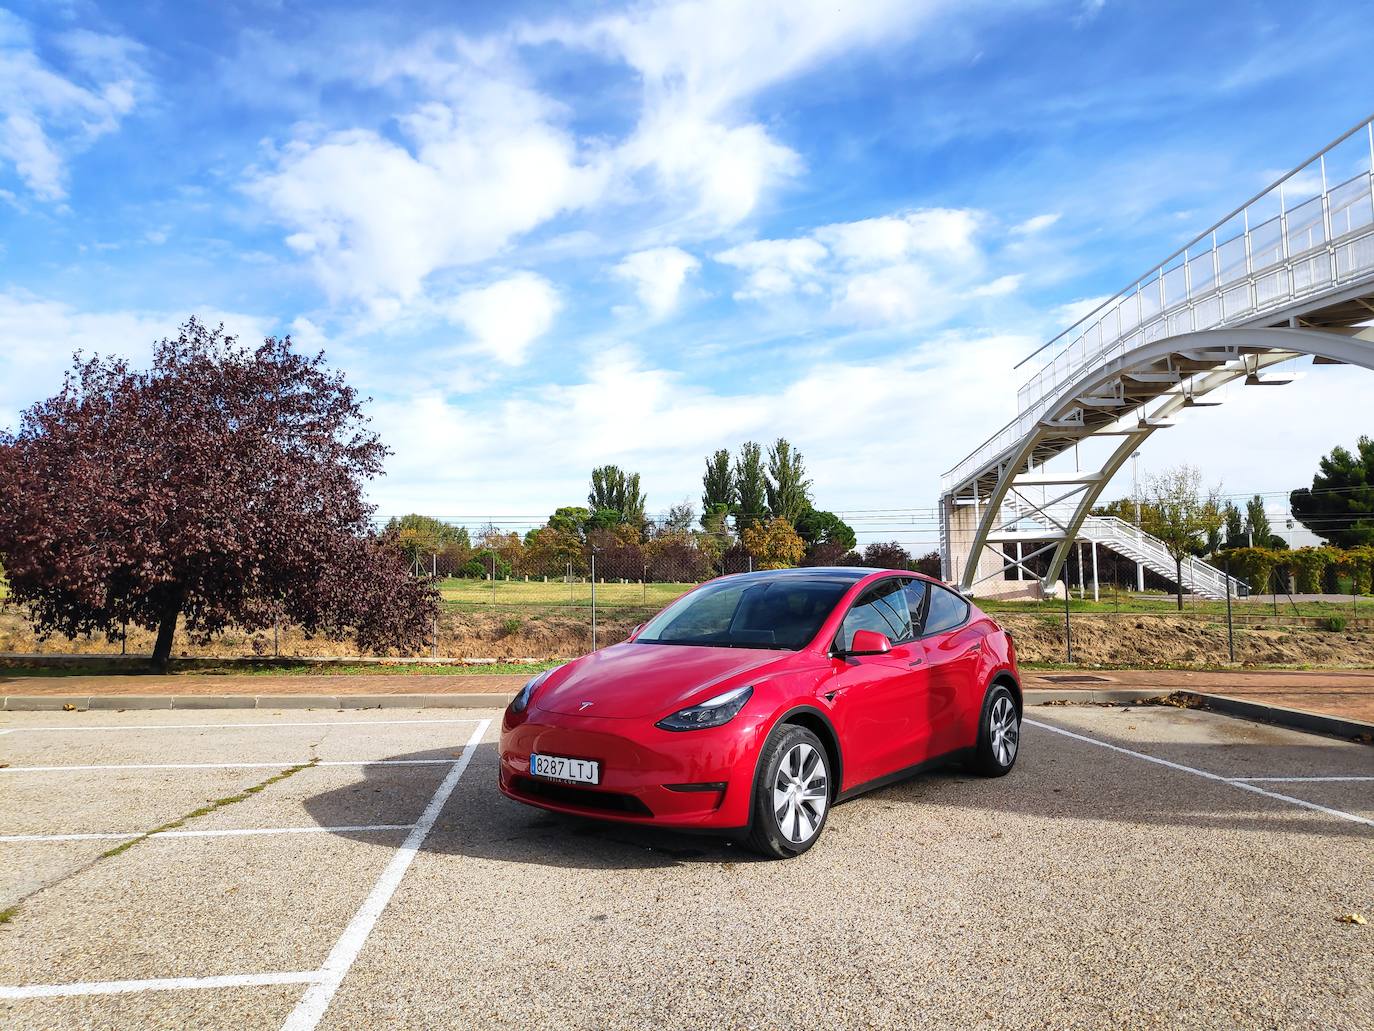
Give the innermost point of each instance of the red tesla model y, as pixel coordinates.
(755, 702)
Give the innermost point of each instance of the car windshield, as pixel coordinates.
(781, 614)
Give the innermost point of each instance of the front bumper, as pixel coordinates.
(696, 779)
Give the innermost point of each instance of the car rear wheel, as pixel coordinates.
(999, 733)
(791, 794)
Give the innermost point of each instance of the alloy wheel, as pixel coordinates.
(801, 791)
(1004, 729)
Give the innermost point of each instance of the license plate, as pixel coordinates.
(556, 767)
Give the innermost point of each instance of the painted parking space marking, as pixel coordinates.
(232, 726)
(1299, 780)
(1239, 785)
(325, 981)
(316, 999)
(106, 767)
(156, 984)
(236, 832)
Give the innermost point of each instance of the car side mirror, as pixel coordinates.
(869, 642)
(635, 632)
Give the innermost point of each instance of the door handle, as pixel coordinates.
(915, 662)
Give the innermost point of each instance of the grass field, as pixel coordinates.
(519, 592)
(1129, 602)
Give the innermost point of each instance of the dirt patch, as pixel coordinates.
(1140, 642)
(496, 634)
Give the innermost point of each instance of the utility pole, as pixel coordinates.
(1135, 496)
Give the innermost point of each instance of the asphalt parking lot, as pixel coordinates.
(1140, 867)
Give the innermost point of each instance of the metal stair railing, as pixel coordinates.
(1131, 542)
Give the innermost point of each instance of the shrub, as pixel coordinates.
(1255, 566)
(1309, 568)
(512, 626)
(1334, 624)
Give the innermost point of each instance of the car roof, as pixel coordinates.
(841, 574)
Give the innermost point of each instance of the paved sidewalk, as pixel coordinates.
(1345, 693)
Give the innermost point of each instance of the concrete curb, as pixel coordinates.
(56, 703)
(456, 700)
(1296, 719)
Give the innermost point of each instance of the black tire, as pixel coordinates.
(774, 837)
(997, 753)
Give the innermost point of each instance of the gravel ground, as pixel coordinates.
(1090, 888)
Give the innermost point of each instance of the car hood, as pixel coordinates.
(628, 680)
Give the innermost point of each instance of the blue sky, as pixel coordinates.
(547, 236)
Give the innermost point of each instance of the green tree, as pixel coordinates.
(1178, 512)
(751, 486)
(420, 536)
(615, 490)
(1235, 526)
(570, 519)
(717, 485)
(1257, 530)
(817, 527)
(679, 518)
(788, 489)
(1339, 506)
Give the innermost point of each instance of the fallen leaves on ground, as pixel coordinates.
(1350, 918)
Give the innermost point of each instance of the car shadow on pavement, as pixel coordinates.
(479, 822)
(1048, 783)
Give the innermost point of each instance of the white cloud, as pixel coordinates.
(943, 233)
(533, 451)
(658, 276)
(1036, 224)
(776, 267)
(506, 317)
(38, 337)
(912, 268)
(483, 157)
(376, 218)
(46, 115)
(700, 62)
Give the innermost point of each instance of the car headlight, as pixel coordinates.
(713, 712)
(522, 700)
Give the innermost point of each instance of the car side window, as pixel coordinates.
(916, 591)
(882, 608)
(947, 610)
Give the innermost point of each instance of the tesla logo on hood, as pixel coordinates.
(583, 706)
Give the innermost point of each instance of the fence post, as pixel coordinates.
(1230, 631)
(593, 599)
(1068, 633)
(276, 637)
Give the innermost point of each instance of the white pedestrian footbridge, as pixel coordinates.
(1288, 275)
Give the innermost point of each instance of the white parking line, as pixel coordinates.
(316, 999)
(228, 833)
(224, 766)
(1238, 784)
(156, 984)
(1297, 780)
(235, 726)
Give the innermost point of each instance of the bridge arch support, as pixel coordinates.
(1129, 396)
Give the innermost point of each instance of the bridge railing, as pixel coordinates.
(1312, 229)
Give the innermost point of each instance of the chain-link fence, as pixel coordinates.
(513, 605)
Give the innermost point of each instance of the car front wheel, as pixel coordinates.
(791, 794)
